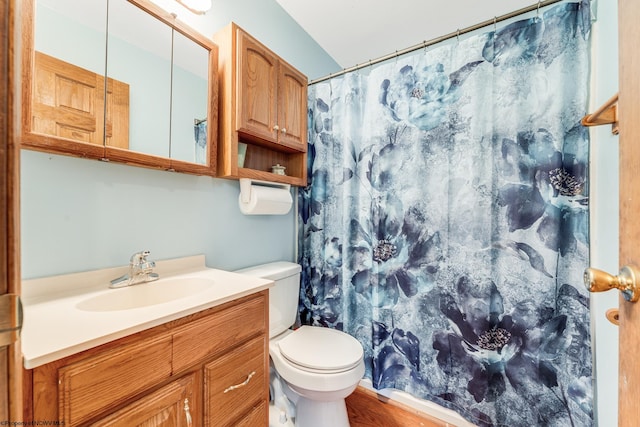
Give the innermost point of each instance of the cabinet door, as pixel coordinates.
(236, 387)
(256, 102)
(292, 107)
(170, 406)
(96, 384)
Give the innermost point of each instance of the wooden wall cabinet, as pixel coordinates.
(263, 104)
(207, 369)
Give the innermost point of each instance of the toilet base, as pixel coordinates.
(314, 413)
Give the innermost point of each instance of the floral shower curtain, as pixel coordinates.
(200, 138)
(446, 221)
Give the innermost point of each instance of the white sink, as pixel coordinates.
(146, 294)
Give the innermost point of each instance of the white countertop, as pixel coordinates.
(54, 327)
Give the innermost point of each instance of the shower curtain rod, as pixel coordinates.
(437, 40)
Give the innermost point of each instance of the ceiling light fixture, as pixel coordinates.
(199, 7)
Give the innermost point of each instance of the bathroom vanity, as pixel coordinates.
(203, 363)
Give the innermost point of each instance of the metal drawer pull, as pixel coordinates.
(187, 413)
(242, 384)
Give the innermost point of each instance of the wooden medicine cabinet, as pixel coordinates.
(118, 80)
(262, 111)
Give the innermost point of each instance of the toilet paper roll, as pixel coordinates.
(266, 201)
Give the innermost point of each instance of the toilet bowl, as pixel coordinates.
(317, 367)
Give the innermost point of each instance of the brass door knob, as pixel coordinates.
(599, 281)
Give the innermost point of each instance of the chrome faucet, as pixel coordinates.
(140, 271)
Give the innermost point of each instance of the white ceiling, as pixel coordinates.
(356, 31)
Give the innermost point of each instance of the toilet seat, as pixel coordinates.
(322, 350)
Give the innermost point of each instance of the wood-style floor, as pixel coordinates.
(367, 409)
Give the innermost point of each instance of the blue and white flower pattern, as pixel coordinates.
(446, 221)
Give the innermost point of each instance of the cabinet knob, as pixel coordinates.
(276, 128)
(284, 130)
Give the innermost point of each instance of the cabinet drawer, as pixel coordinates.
(219, 331)
(235, 384)
(256, 417)
(92, 385)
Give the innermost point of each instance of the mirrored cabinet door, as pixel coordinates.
(189, 96)
(139, 57)
(67, 85)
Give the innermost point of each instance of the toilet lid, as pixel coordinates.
(319, 348)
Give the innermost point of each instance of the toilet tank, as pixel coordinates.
(283, 296)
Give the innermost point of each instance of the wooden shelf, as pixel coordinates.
(268, 176)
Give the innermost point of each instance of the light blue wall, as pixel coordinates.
(79, 214)
(270, 24)
(604, 210)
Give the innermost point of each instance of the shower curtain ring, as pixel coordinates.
(495, 24)
(538, 11)
(458, 35)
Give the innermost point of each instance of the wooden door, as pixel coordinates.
(256, 97)
(117, 114)
(292, 107)
(69, 102)
(10, 355)
(629, 118)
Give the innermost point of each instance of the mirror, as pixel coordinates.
(155, 108)
(68, 84)
(189, 124)
(139, 53)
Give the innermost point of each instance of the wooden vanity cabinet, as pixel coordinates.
(263, 104)
(206, 369)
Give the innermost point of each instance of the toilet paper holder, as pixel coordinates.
(247, 183)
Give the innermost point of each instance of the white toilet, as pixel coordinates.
(320, 366)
